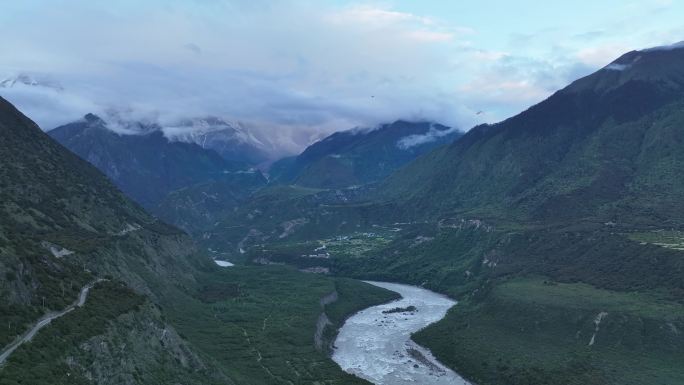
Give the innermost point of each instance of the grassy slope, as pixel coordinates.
(533, 331)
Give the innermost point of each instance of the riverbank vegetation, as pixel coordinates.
(536, 331)
(263, 330)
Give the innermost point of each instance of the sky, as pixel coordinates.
(298, 70)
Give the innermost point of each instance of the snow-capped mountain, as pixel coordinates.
(29, 80)
(233, 141)
(145, 164)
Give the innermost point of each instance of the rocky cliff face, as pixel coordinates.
(136, 340)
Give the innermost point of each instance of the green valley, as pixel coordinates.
(262, 194)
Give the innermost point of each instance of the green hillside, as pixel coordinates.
(154, 316)
(604, 149)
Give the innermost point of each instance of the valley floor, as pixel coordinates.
(557, 308)
(258, 323)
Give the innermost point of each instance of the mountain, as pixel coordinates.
(606, 149)
(62, 226)
(361, 156)
(28, 80)
(197, 208)
(232, 141)
(142, 162)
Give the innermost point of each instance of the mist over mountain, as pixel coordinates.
(360, 156)
(144, 163)
(233, 142)
(328, 76)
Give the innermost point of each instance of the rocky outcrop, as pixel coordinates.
(139, 347)
(323, 322)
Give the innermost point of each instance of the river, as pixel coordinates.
(377, 346)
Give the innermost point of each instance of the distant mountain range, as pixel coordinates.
(233, 140)
(197, 173)
(361, 156)
(146, 165)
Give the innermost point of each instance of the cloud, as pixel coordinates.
(600, 55)
(415, 140)
(505, 83)
(293, 71)
(299, 70)
(376, 17)
(429, 36)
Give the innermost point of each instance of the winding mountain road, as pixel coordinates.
(45, 320)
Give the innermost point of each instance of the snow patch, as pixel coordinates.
(211, 131)
(31, 81)
(223, 263)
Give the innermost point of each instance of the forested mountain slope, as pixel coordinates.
(361, 156)
(606, 148)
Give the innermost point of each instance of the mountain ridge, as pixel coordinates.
(146, 165)
(360, 156)
(588, 112)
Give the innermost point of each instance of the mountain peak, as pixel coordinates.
(362, 155)
(660, 69)
(231, 140)
(29, 80)
(93, 119)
